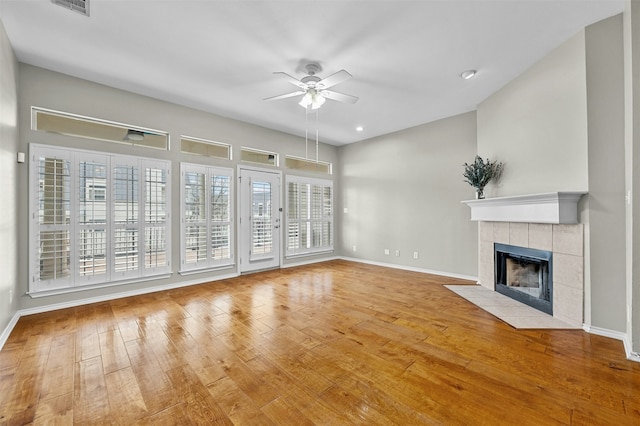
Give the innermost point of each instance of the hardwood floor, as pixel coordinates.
(331, 343)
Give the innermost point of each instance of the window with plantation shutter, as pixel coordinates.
(309, 215)
(96, 218)
(206, 217)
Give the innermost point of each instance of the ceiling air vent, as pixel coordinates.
(80, 6)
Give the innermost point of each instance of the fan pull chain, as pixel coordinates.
(306, 133)
(317, 133)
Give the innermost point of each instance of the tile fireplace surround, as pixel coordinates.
(566, 244)
(540, 221)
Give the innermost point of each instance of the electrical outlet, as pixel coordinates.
(346, 210)
(354, 248)
(397, 253)
(386, 252)
(10, 296)
(415, 254)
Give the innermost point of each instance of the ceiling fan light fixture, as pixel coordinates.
(469, 74)
(318, 102)
(312, 98)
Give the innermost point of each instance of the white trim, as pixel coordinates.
(240, 229)
(208, 269)
(9, 328)
(411, 268)
(310, 262)
(67, 290)
(311, 253)
(551, 207)
(618, 335)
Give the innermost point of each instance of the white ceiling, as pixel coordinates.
(219, 55)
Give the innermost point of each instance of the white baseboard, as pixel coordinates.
(618, 335)
(308, 262)
(7, 331)
(411, 268)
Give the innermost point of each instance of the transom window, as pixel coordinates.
(94, 128)
(297, 163)
(191, 145)
(257, 156)
(96, 218)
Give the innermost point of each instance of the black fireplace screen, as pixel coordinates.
(525, 275)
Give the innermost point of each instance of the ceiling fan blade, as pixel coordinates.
(340, 97)
(333, 79)
(286, 95)
(292, 80)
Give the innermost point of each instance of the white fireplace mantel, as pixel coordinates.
(550, 207)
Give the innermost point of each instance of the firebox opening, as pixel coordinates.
(524, 274)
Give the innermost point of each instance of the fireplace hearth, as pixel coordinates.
(525, 274)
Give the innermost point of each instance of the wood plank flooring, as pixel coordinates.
(326, 344)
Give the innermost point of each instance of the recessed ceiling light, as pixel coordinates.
(468, 74)
(359, 129)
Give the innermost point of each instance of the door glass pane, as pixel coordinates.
(261, 228)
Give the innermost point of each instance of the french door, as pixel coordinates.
(260, 230)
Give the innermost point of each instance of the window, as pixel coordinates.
(309, 215)
(94, 128)
(257, 156)
(297, 163)
(206, 222)
(189, 145)
(96, 218)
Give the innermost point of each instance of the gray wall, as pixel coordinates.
(48, 89)
(402, 192)
(9, 178)
(559, 127)
(537, 125)
(606, 152)
(632, 145)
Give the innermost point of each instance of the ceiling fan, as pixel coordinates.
(314, 89)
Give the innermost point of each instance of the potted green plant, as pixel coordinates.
(480, 172)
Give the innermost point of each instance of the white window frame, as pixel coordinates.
(326, 218)
(211, 261)
(75, 281)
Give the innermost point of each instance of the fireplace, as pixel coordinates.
(525, 274)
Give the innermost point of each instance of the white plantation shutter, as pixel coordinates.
(87, 225)
(156, 217)
(309, 215)
(91, 226)
(126, 218)
(206, 227)
(51, 228)
(194, 219)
